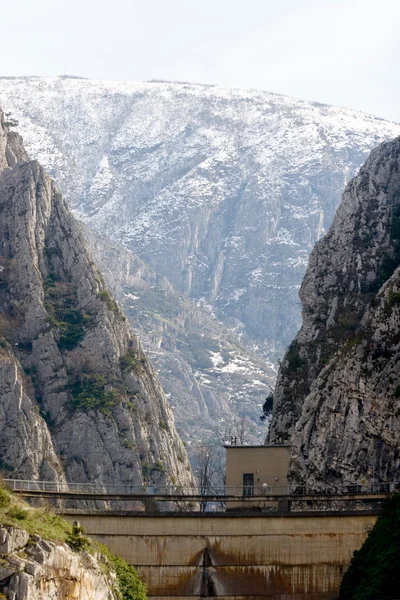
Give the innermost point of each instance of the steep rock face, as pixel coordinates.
(75, 383)
(210, 375)
(35, 568)
(338, 391)
(222, 191)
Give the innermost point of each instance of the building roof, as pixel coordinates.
(257, 446)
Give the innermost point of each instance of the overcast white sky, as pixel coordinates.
(343, 52)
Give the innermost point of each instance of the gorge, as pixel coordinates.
(221, 194)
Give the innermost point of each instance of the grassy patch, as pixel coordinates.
(40, 521)
(46, 524)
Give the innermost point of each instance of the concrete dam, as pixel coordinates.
(260, 556)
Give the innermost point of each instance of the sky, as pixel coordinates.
(340, 52)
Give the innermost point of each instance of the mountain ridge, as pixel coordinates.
(223, 192)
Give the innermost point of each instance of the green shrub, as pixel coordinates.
(18, 513)
(267, 406)
(147, 468)
(129, 583)
(87, 392)
(130, 586)
(71, 324)
(128, 362)
(374, 572)
(77, 540)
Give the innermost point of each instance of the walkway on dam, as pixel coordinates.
(285, 496)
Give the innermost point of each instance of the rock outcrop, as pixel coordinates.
(337, 397)
(79, 399)
(34, 568)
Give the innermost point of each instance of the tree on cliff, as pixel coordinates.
(374, 572)
(267, 406)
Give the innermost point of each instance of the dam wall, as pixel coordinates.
(291, 557)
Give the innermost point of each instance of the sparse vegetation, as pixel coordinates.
(293, 358)
(129, 583)
(105, 296)
(129, 361)
(147, 468)
(393, 300)
(87, 391)
(52, 251)
(391, 259)
(70, 323)
(198, 349)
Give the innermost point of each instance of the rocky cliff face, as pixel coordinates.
(31, 567)
(78, 398)
(338, 391)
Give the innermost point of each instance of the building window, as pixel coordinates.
(248, 484)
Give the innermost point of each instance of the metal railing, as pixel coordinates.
(174, 490)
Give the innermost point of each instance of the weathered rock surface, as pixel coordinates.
(210, 375)
(78, 397)
(34, 569)
(338, 392)
(224, 192)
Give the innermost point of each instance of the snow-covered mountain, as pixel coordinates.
(224, 192)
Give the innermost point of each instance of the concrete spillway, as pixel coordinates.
(298, 557)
